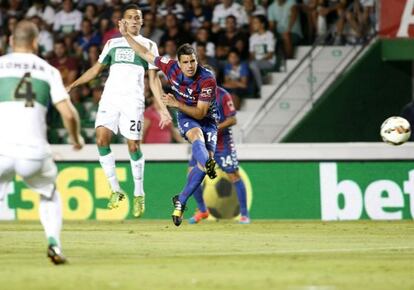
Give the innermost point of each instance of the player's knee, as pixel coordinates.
(102, 142)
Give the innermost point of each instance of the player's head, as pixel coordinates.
(133, 16)
(187, 59)
(25, 36)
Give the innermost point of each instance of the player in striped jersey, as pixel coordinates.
(122, 105)
(28, 85)
(194, 96)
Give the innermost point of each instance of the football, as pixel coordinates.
(395, 130)
(221, 197)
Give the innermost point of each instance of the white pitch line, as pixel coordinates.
(302, 251)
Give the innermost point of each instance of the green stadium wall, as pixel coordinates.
(348, 190)
(376, 87)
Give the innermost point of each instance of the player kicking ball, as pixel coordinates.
(194, 96)
(226, 158)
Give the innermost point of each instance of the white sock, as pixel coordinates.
(50, 211)
(137, 168)
(108, 166)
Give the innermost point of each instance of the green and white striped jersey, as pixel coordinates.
(28, 84)
(125, 84)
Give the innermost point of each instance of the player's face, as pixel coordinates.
(188, 64)
(134, 21)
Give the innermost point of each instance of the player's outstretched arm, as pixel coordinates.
(139, 49)
(87, 76)
(71, 122)
(197, 112)
(156, 88)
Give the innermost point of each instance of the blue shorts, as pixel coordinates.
(208, 128)
(226, 159)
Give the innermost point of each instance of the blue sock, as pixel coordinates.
(200, 152)
(194, 179)
(198, 195)
(241, 195)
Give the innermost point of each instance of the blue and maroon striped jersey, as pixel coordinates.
(226, 109)
(201, 87)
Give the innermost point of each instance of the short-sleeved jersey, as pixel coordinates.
(226, 109)
(23, 125)
(201, 87)
(125, 84)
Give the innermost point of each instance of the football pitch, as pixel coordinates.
(148, 254)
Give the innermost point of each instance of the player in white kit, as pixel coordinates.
(122, 105)
(28, 84)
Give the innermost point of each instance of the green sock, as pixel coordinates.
(136, 155)
(52, 241)
(104, 150)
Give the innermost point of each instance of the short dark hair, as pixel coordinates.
(129, 7)
(185, 49)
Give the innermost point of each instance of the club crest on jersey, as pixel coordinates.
(206, 92)
(124, 54)
(186, 124)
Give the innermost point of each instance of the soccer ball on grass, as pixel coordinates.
(220, 195)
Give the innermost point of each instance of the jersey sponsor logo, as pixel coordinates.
(124, 54)
(190, 91)
(186, 124)
(182, 94)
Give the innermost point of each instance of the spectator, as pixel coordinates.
(5, 39)
(173, 31)
(67, 65)
(250, 9)
(91, 13)
(45, 38)
(204, 59)
(149, 29)
(203, 35)
(236, 78)
(170, 7)
(222, 11)
(114, 31)
(262, 47)
(98, 4)
(284, 21)
(152, 133)
(198, 16)
(331, 11)
(68, 20)
(14, 8)
(86, 38)
(360, 17)
(233, 38)
(44, 11)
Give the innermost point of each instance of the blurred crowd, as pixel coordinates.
(243, 40)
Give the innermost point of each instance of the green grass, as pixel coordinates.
(264, 255)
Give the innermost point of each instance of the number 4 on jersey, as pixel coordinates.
(24, 90)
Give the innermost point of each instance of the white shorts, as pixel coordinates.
(129, 120)
(39, 175)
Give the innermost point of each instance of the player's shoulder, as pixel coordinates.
(116, 41)
(147, 40)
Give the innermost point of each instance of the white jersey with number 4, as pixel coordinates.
(125, 84)
(28, 85)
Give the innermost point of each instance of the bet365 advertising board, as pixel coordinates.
(348, 190)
